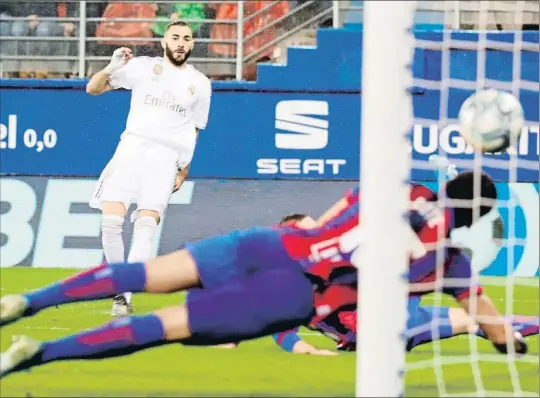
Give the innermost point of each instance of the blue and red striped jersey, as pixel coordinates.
(325, 252)
(430, 248)
(322, 250)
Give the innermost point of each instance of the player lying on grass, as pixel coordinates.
(453, 322)
(422, 329)
(256, 282)
(421, 326)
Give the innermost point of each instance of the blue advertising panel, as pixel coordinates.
(251, 134)
(46, 222)
(296, 122)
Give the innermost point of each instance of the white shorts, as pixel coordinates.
(141, 172)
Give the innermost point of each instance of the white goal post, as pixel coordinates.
(385, 170)
(387, 118)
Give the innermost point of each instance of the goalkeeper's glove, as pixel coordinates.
(120, 57)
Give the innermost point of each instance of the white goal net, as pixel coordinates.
(484, 44)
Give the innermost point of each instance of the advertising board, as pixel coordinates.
(46, 222)
(249, 135)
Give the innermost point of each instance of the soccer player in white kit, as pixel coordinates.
(170, 102)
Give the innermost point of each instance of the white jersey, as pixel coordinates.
(167, 103)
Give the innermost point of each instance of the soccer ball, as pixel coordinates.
(491, 120)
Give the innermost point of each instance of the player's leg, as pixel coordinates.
(194, 294)
(421, 328)
(112, 223)
(144, 230)
(118, 338)
(169, 273)
(525, 325)
(155, 185)
(440, 323)
(498, 329)
(262, 304)
(208, 263)
(113, 213)
(116, 188)
(144, 233)
(427, 324)
(462, 323)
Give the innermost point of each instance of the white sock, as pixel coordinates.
(111, 238)
(144, 232)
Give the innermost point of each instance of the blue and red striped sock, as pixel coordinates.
(526, 325)
(117, 338)
(444, 331)
(104, 281)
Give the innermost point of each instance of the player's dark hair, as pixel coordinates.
(293, 217)
(462, 188)
(176, 23)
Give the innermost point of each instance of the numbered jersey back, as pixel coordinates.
(325, 253)
(323, 250)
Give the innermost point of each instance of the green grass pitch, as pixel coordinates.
(257, 368)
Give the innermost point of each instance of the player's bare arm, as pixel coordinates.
(301, 347)
(181, 176)
(183, 172)
(99, 83)
(332, 212)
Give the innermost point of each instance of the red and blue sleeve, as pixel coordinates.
(458, 278)
(353, 195)
(287, 339)
(459, 273)
(422, 268)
